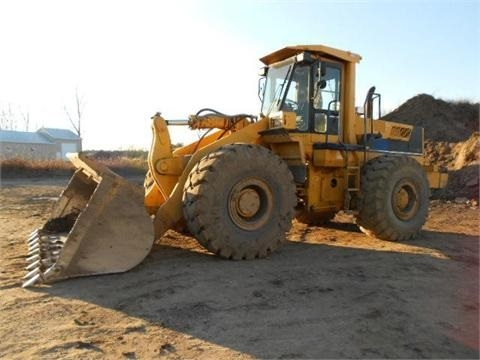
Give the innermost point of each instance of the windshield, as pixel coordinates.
(275, 87)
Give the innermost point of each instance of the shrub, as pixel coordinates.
(121, 164)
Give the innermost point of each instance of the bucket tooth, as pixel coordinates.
(32, 273)
(33, 265)
(33, 234)
(32, 243)
(34, 246)
(36, 278)
(33, 238)
(33, 252)
(33, 258)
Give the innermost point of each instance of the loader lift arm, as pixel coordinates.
(169, 170)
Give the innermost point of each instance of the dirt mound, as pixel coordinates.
(468, 152)
(450, 121)
(462, 160)
(463, 185)
(454, 156)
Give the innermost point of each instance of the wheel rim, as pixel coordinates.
(405, 200)
(250, 204)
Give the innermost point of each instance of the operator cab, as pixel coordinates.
(308, 86)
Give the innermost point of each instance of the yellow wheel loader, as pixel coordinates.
(309, 154)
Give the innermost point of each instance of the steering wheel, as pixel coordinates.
(290, 105)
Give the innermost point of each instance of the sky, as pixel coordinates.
(128, 60)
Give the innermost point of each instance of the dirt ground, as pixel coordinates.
(330, 292)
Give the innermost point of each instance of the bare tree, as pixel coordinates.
(10, 118)
(76, 120)
(7, 119)
(26, 119)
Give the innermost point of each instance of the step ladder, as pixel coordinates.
(352, 179)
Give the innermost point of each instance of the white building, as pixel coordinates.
(44, 144)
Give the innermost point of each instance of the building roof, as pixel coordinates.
(59, 134)
(41, 136)
(25, 137)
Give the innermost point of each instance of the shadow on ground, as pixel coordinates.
(308, 300)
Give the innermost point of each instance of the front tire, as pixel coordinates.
(239, 201)
(394, 198)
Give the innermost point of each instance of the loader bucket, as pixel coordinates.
(99, 225)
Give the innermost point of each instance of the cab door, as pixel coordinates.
(326, 98)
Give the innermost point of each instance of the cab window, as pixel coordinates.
(297, 96)
(327, 91)
(326, 99)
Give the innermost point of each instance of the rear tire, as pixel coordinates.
(239, 201)
(394, 198)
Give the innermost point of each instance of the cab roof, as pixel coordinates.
(290, 51)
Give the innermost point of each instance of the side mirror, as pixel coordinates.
(261, 87)
(322, 84)
(263, 71)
